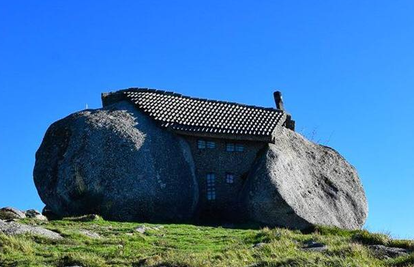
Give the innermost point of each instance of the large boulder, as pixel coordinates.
(115, 162)
(298, 184)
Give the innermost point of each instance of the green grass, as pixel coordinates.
(188, 245)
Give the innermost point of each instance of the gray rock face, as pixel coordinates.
(14, 228)
(117, 163)
(297, 184)
(9, 213)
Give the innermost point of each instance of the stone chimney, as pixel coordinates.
(278, 100)
(289, 123)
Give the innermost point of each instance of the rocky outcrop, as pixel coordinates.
(297, 184)
(117, 163)
(9, 213)
(384, 252)
(34, 214)
(15, 228)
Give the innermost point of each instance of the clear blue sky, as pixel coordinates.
(346, 69)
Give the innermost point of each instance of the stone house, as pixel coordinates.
(225, 139)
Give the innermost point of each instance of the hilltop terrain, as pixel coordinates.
(92, 241)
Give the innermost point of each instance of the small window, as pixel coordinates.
(211, 144)
(211, 180)
(211, 189)
(230, 147)
(229, 178)
(201, 144)
(239, 148)
(211, 194)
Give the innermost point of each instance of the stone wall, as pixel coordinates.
(220, 162)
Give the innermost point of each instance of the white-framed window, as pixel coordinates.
(211, 144)
(239, 148)
(201, 144)
(229, 178)
(230, 147)
(211, 186)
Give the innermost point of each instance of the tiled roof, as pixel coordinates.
(193, 116)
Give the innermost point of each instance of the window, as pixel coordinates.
(211, 186)
(201, 144)
(229, 178)
(239, 148)
(230, 147)
(211, 144)
(211, 194)
(211, 180)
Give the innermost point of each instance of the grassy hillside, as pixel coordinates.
(104, 243)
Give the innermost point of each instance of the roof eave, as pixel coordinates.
(238, 137)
